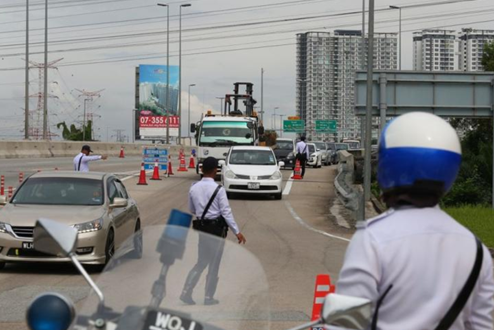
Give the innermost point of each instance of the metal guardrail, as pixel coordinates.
(344, 181)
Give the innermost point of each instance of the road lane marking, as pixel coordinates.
(288, 186)
(303, 223)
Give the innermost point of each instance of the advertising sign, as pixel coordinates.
(293, 117)
(152, 103)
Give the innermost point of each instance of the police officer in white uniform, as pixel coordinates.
(81, 161)
(209, 203)
(413, 261)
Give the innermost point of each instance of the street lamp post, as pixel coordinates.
(273, 124)
(167, 94)
(180, 73)
(188, 116)
(399, 8)
(45, 85)
(26, 100)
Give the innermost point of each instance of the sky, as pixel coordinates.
(223, 41)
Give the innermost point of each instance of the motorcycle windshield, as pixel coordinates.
(173, 257)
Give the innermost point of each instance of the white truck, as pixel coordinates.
(216, 134)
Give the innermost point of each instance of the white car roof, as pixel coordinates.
(250, 148)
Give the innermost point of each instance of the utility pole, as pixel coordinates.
(368, 118)
(26, 94)
(180, 74)
(45, 93)
(167, 95)
(262, 95)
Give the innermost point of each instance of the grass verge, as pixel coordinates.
(478, 219)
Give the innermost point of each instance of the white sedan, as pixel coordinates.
(252, 170)
(315, 159)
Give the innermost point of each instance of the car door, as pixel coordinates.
(131, 213)
(117, 214)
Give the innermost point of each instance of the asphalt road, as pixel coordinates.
(287, 236)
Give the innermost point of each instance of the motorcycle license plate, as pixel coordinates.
(28, 245)
(165, 320)
(254, 185)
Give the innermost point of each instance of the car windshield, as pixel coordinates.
(252, 157)
(354, 145)
(320, 145)
(226, 132)
(312, 148)
(284, 145)
(60, 191)
(341, 146)
(331, 146)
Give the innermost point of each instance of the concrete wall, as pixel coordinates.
(47, 149)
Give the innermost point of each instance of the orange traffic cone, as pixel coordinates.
(297, 172)
(183, 166)
(122, 155)
(142, 177)
(192, 163)
(169, 170)
(156, 172)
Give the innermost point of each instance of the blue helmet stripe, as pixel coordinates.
(401, 167)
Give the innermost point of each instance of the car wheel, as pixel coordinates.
(110, 246)
(2, 265)
(278, 196)
(137, 252)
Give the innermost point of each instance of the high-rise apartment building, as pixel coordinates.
(471, 44)
(326, 66)
(435, 50)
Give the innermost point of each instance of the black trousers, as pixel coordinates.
(210, 252)
(303, 162)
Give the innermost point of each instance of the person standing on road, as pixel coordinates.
(419, 267)
(209, 203)
(302, 153)
(81, 161)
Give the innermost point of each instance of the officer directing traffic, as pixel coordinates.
(209, 203)
(419, 267)
(302, 153)
(81, 161)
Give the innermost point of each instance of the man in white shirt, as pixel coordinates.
(81, 161)
(302, 153)
(209, 203)
(413, 261)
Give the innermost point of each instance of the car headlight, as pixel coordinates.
(290, 155)
(275, 176)
(89, 227)
(230, 175)
(3, 227)
(313, 155)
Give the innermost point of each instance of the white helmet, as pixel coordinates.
(418, 150)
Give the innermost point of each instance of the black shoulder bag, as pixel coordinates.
(217, 227)
(80, 161)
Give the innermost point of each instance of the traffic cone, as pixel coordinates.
(21, 177)
(169, 170)
(183, 166)
(142, 177)
(122, 155)
(2, 186)
(156, 172)
(322, 289)
(192, 163)
(11, 192)
(297, 172)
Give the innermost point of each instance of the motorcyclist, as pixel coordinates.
(416, 252)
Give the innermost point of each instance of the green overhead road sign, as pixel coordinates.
(326, 126)
(294, 126)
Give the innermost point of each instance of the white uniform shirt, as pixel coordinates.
(427, 256)
(301, 146)
(199, 196)
(84, 162)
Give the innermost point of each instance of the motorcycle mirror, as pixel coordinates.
(347, 312)
(50, 311)
(54, 238)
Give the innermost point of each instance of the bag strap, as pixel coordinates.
(465, 292)
(211, 200)
(80, 160)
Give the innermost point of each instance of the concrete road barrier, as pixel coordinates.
(48, 149)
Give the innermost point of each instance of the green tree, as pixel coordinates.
(474, 183)
(76, 134)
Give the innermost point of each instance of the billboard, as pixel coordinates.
(152, 105)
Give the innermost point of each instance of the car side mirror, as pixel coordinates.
(347, 312)
(54, 238)
(119, 203)
(221, 162)
(3, 200)
(192, 128)
(281, 164)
